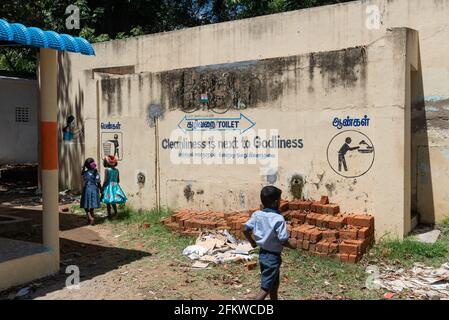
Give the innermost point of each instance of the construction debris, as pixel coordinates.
(426, 234)
(421, 282)
(314, 226)
(214, 247)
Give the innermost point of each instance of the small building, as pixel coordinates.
(19, 120)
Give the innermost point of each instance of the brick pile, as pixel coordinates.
(193, 222)
(315, 226)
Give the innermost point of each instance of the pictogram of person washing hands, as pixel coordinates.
(363, 147)
(348, 157)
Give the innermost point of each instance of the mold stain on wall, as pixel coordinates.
(252, 83)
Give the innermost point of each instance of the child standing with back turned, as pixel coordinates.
(90, 198)
(270, 233)
(112, 193)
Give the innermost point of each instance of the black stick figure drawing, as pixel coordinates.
(116, 146)
(342, 153)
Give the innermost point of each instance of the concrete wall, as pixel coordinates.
(129, 76)
(18, 139)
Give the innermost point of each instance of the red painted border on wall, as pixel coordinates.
(49, 146)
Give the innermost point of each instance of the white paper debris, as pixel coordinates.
(219, 247)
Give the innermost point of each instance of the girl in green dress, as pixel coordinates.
(112, 192)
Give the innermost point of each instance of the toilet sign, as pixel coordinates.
(240, 124)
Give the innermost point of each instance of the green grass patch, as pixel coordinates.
(410, 251)
(145, 226)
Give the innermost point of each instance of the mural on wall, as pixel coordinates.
(217, 92)
(70, 132)
(112, 144)
(225, 87)
(351, 154)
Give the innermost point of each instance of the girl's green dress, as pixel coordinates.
(112, 193)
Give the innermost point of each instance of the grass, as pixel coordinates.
(145, 226)
(410, 251)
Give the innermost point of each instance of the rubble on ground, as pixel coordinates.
(421, 282)
(314, 226)
(65, 197)
(218, 247)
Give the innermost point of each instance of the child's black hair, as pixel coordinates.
(70, 119)
(270, 196)
(87, 164)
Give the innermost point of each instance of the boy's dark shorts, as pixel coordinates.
(270, 266)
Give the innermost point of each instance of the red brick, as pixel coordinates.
(322, 208)
(353, 258)
(343, 257)
(324, 200)
(287, 214)
(333, 209)
(361, 244)
(337, 223)
(305, 206)
(351, 219)
(294, 205)
(284, 206)
(313, 206)
(348, 234)
(348, 248)
(306, 235)
(294, 243)
(333, 248)
(311, 219)
(251, 265)
(365, 221)
(330, 234)
(312, 247)
(323, 247)
(315, 236)
(305, 245)
(293, 233)
(364, 233)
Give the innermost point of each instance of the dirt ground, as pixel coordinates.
(110, 268)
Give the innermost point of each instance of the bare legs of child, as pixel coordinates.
(90, 216)
(273, 293)
(108, 207)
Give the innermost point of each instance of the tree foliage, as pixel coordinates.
(102, 20)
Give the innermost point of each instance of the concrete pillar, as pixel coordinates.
(49, 150)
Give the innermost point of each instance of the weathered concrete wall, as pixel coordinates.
(18, 140)
(174, 58)
(298, 96)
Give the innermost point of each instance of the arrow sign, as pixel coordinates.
(241, 124)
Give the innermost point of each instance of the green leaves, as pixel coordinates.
(102, 20)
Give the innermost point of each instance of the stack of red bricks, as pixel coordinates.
(192, 222)
(319, 228)
(315, 226)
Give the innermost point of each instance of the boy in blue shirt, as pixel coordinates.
(270, 233)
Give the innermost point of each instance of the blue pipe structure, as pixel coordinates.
(35, 37)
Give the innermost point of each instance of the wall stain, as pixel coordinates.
(189, 193)
(296, 186)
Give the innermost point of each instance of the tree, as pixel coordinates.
(102, 20)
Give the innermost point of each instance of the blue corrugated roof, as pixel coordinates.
(35, 37)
